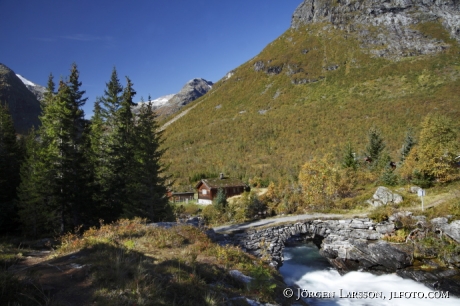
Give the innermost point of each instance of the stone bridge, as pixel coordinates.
(348, 244)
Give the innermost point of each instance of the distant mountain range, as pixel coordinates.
(22, 97)
(170, 104)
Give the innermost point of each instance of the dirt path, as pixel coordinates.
(279, 220)
(182, 114)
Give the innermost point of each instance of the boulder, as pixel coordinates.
(240, 277)
(353, 254)
(385, 228)
(384, 196)
(452, 230)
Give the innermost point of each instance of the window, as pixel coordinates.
(204, 191)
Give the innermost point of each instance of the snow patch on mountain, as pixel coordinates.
(25, 81)
(158, 101)
(36, 89)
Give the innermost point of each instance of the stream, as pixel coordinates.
(310, 275)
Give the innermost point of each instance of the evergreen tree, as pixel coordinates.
(10, 159)
(409, 143)
(96, 163)
(105, 142)
(49, 93)
(349, 159)
(150, 188)
(79, 172)
(123, 149)
(58, 158)
(115, 148)
(34, 213)
(375, 146)
(220, 201)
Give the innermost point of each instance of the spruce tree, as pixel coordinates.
(10, 159)
(149, 199)
(220, 201)
(409, 143)
(79, 172)
(57, 159)
(123, 149)
(349, 159)
(34, 213)
(375, 146)
(115, 147)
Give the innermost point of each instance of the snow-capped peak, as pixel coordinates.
(159, 101)
(25, 81)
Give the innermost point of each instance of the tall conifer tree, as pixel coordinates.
(10, 159)
(108, 139)
(150, 199)
(58, 158)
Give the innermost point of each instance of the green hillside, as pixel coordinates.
(261, 123)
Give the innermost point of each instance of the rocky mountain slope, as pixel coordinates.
(36, 89)
(393, 22)
(341, 68)
(22, 103)
(170, 104)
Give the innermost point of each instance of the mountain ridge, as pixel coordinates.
(308, 93)
(170, 104)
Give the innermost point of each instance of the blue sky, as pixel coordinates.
(160, 45)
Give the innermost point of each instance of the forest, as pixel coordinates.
(75, 173)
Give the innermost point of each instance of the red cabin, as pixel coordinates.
(208, 188)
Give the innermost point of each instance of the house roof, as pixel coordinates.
(221, 183)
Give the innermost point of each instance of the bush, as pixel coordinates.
(381, 213)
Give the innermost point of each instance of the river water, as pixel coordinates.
(312, 274)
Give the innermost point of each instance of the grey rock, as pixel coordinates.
(259, 66)
(452, 230)
(384, 196)
(396, 37)
(385, 228)
(399, 215)
(414, 189)
(439, 221)
(239, 276)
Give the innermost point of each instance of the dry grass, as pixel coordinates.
(131, 263)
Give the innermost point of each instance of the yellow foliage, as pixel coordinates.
(436, 152)
(320, 181)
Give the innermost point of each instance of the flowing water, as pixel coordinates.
(310, 274)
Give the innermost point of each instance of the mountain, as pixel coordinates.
(36, 89)
(22, 103)
(157, 103)
(170, 104)
(341, 68)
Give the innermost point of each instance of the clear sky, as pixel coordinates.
(160, 45)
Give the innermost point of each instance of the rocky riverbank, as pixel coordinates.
(362, 244)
